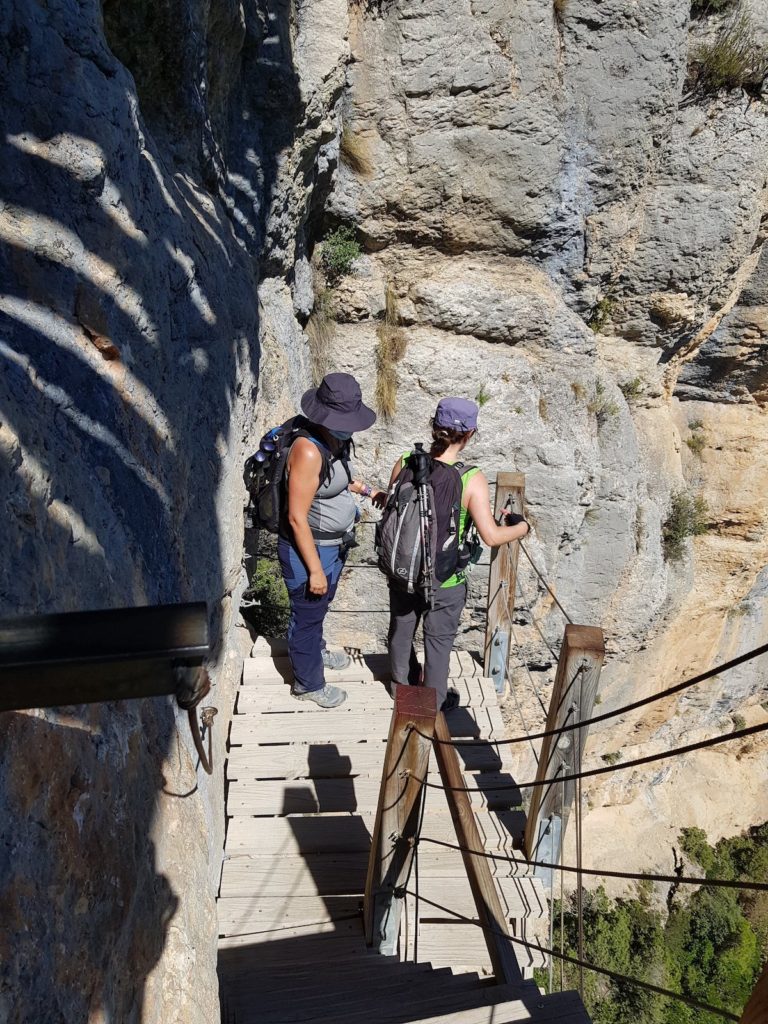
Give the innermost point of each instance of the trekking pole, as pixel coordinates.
(421, 467)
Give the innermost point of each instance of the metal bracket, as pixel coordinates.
(498, 660)
(548, 847)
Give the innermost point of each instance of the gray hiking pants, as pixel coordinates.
(441, 623)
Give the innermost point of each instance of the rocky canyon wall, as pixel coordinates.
(161, 163)
(570, 231)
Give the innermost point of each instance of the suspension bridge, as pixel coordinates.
(379, 865)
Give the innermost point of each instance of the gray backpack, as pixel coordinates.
(417, 538)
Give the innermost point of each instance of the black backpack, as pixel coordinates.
(264, 474)
(399, 542)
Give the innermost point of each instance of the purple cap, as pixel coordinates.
(456, 413)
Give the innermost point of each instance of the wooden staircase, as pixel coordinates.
(303, 786)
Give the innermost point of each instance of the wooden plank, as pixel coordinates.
(338, 833)
(756, 1010)
(311, 796)
(364, 667)
(484, 891)
(397, 812)
(573, 697)
(275, 697)
(268, 917)
(502, 581)
(340, 726)
(324, 761)
(457, 944)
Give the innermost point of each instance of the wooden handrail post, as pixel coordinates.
(573, 698)
(502, 582)
(397, 815)
(489, 910)
(756, 1010)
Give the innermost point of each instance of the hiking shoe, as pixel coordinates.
(328, 697)
(335, 659)
(451, 701)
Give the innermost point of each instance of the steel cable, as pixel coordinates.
(606, 769)
(669, 692)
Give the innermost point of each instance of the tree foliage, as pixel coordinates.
(710, 946)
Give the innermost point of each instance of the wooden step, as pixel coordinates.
(339, 833)
(264, 696)
(369, 666)
(323, 761)
(304, 796)
(266, 919)
(275, 883)
(344, 725)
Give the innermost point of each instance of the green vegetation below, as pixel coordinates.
(710, 945)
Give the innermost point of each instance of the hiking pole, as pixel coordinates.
(421, 463)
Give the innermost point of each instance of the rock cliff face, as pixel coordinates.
(160, 160)
(516, 172)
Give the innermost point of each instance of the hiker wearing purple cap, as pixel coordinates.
(453, 425)
(318, 527)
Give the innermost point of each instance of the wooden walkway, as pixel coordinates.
(302, 789)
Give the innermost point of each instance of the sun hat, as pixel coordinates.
(456, 413)
(337, 403)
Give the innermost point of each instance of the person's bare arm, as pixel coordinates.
(479, 507)
(304, 466)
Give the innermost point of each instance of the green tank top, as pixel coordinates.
(465, 520)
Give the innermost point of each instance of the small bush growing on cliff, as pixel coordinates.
(601, 314)
(632, 389)
(600, 406)
(482, 396)
(696, 442)
(340, 250)
(389, 351)
(688, 517)
(733, 59)
(269, 606)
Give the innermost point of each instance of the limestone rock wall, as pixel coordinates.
(574, 236)
(159, 162)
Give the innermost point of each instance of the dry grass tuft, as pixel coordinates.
(353, 151)
(389, 352)
(320, 330)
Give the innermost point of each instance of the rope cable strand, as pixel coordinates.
(605, 769)
(726, 883)
(669, 692)
(585, 965)
(538, 572)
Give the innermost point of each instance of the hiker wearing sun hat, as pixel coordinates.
(318, 526)
(439, 601)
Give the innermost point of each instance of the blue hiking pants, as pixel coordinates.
(305, 629)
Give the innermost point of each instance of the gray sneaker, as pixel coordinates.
(328, 697)
(335, 659)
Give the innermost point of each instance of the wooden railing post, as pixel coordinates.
(397, 815)
(489, 910)
(573, 698)
(502, 583)
(756, 1010)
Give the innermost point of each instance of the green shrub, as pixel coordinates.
(482, 396)
(600, 406)
(270, 608)
(340, 250)
(612, 758)
(696, 425)
(696, 442)
(734, 59)
(688, 517)
(601, 314)
(739, 722)
(633, 388)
